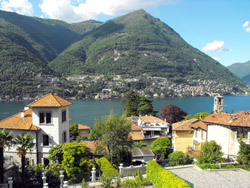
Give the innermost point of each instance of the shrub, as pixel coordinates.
(162, 178)
(135, 183)
(210, 153)
(179, 158)
(107, 169)
(208, 166)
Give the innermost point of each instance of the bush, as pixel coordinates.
(179, 158)
(108, 170)
(162, 178)
(135, 183)
(210, 153)
(208, 166)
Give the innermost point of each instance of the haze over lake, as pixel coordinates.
(85, 111)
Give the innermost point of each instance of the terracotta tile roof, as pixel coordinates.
(136, 135)
(50, 100)
(83, 127)
(199, 124)
(184, 125)
(152, 119)
(16, 122)
(241, 119)
(135, 128)
(92, 145)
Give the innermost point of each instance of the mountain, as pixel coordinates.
(240, 69)
(34, 50)
(137, 44)
(27, 44)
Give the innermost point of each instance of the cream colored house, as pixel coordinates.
(227, 129)
(182, 135)
(47, 120)
(199, 135)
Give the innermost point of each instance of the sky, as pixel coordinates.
(219, 28)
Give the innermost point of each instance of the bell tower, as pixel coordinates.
(218, 104)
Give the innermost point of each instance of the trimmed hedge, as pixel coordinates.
(108, 170)
(162, 178)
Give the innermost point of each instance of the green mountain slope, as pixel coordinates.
(135, 44)
(27, 44)
(240, 69)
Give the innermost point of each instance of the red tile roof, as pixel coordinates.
(241, 119)
(50, 100)
(16, 122)
(83, 127)
(183, 125)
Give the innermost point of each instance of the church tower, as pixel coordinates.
(218, 104)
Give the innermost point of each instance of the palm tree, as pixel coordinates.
(5, 141)
(24, 144)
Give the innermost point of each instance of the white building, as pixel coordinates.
(227, 129)
(153, 127)
(47, 120)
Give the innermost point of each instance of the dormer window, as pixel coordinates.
(45, 117)
(64, 117)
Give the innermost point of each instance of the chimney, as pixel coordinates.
(22, 113)
(26, 108)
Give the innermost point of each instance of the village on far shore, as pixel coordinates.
(47, 120)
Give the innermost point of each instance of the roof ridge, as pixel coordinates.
(55, 98)
(38, 99)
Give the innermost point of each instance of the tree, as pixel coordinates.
(179, 158)
(137, 105)
(161, 146)
(172, 114)
(130, 100)
(210, 153)
(5, 141)
(73, 131)
(113, 131)
(24, 144)
(244, 153)
(145, 106)
(201, 114)
(76, 161)
(140, 145)
(56, 153)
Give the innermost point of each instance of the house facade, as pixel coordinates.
(47, 120)
(188, 134)
(227, 130)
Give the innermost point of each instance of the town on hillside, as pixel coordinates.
(39, 147)
(109, 87)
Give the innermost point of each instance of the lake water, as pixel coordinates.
(86, 111)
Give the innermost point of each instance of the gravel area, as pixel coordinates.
(233, 178)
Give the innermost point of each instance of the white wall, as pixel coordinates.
(54, 130)
(225, 137)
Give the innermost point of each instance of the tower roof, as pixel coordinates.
(50, 100)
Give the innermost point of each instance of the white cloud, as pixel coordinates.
(248, 29)
(216, 58)
(245, 24)
(80, 10)
(19, 6)
(216, 46)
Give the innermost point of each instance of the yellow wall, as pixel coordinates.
(182, 140)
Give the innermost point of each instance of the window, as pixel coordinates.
(201, 133)
(64, 116)
(45, 117)
(64, 137)
(242, 133)
(45, 161)
(45, 140)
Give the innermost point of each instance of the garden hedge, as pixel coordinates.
(162, 178)
(107, 169)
